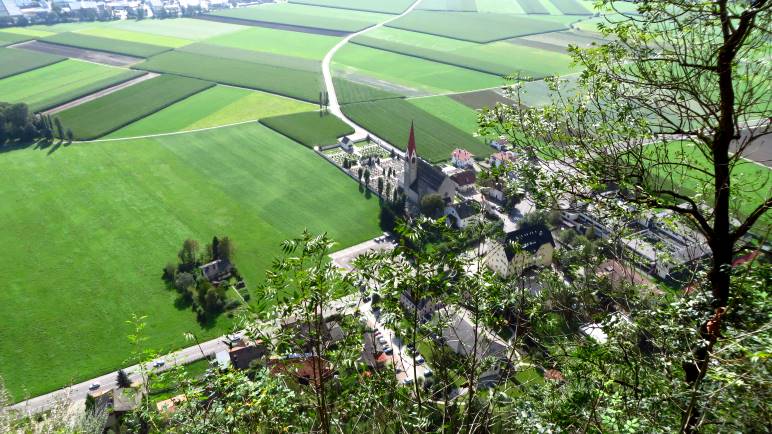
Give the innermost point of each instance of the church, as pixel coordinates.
(421, 178)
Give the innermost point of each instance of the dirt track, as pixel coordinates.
(80, 53)
(101, 93)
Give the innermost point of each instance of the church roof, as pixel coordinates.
(428, 176)
(528, 239)
(411, 141)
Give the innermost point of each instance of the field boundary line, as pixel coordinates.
(173, 133)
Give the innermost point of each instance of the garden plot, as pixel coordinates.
(310, 129)
(435, 138)
(16, 61)
(61, 82)
(303, 16)
(111, 112)
(295, 83)
(107, 45)
(477, 27)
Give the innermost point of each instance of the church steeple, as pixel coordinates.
(411, 169)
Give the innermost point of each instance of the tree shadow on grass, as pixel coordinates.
(40, 145)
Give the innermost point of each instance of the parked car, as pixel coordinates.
(420, 360)
(428, 372)
(388, 351)
(407, 381)
(158, 363)
(94, 386)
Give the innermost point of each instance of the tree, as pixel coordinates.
(225, 249)
(380, 186)
(665, 112)
(367, 176)
(432, 205)
(359, 173)
(59, 129)
(189, 253)
(69, 136)
(123, 379)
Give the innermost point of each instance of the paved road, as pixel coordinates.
(184, 356)
(334, 106)
(344, 258)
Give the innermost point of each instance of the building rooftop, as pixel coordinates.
(528, 239)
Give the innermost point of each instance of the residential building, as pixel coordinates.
(464, 338)
(501, 144)
(620, 274)
(465, 181)
(463, 214)
(217, 271)
(421, 178)
(242, 356)
(346, 144)
(500, 158)
(462, 158)
(522, 249)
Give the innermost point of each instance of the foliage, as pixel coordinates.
(101, 116)
(432, 205)
(17, 125)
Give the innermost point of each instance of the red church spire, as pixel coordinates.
(411, 143)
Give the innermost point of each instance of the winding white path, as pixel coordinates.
(333, 105)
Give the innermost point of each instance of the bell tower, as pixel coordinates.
(411, 160)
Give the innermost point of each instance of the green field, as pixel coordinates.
(53, 85)
(478, 27)
(309, 128)
(435, 138)
(178, 28)
(7, 38)
(449, 5)
(450, 111)
(137, 37)
(13, 61)
(417, 74)
(104, 115)
(287, 43)
(306, 16)
(571, 7)
(350, 92)
(100, 220)
(80, 40)
(389, 7)
(499, 58)
(533, 7)
(499, 6)
(220, 105)
(294, 83)
(751, 182)
(256, 57)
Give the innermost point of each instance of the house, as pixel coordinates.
(522, 249)
(421, 178)
(8, 8)
(217, 271)
(619, 274)
(242, 356)
(306, 341)
(464, 214)
(495, 194)
(465, 180)
(462, 158)
(500, 144)
(372, 352)
(169, 406)
(463, 337)
(500, 158)
(346, 144)
(426, 306)
(306, 368)
(223, 359)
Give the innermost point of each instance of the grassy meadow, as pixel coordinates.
(61, 82)
(104, 115)
(390, 7)
(100, 220)
(306, 16)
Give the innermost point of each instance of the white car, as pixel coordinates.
(158, 363)
(94, 386)
(420, 360)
